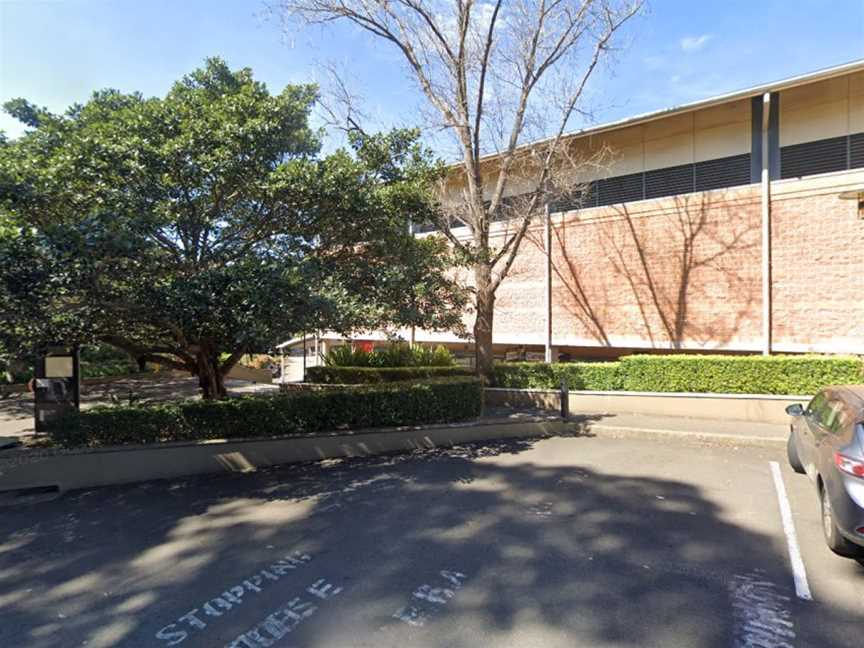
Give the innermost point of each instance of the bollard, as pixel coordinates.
(565, 399)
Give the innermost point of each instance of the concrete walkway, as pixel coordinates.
(642, 426)
(728, 433)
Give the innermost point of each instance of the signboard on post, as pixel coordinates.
(57, 385)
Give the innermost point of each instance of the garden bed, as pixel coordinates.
(443, 400)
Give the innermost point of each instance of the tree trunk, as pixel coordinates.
(14, 369)
(483, 355)
(210, 378)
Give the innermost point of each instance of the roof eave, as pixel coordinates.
(775, 86)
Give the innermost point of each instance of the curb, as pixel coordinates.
(713, 438)
(61, 470)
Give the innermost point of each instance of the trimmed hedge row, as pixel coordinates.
(595, 376)
(432, 401)
(367, 375)
(739, 374)
(689, 373)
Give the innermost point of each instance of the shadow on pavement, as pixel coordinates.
(575, 552)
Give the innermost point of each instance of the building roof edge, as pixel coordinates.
(782, 84)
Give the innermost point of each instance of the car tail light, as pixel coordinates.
(848, 465)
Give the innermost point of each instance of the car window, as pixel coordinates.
(825, 412)
(828, 413)
(835, 418)
(816, 405)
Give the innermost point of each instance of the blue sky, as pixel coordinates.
(56, 52)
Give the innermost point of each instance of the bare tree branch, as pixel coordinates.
(486, 68)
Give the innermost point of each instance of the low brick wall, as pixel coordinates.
(731, 407)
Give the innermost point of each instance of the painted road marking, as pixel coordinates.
(417, 613)
(760, 614)
(280, 622)
(802, 587)
(543, 509)
(194, 619)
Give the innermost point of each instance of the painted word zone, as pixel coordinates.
(197, 618)
(428, 599)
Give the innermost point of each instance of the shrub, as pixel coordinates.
(398, 354)
(393, 355)
(738, 374)
(120, 425)
(100, 361)
(426, 356)
(688, 373)
(345, 356)
(367, 375)
(598, 376)
(432, 401)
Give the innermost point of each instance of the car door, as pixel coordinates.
(837, 429)
(811, 432)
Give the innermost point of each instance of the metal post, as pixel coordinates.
(548, 296)
(565, 399)
(304, 356)
(766, 227)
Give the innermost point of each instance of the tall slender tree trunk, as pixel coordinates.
(210, 378)
(483, 356)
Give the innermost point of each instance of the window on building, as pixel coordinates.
(731, 171)
(856, 151)
(723, 172)
(810, 158)
(620, 189)
(670, 181)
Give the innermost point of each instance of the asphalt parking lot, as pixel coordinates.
(580, 541)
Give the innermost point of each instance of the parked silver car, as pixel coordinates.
(826, 441)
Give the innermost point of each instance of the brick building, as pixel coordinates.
(724, 225)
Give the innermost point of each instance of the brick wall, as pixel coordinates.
(685, 272)
(817, 266)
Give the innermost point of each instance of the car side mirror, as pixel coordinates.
(795, 409)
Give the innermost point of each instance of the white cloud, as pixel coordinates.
(695, 43)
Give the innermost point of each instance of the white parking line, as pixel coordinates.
(802, 587)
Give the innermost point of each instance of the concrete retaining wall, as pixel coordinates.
(730, 407)
(66, 470)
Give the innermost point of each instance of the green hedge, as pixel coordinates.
(595, 376)
(689, 373)
(739, 374)
(432, 401)
(367, 375)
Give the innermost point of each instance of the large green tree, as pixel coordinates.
(191, 229)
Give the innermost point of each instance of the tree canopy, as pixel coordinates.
(194, 228)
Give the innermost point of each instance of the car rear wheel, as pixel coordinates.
(833, 538)
(792, 454)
